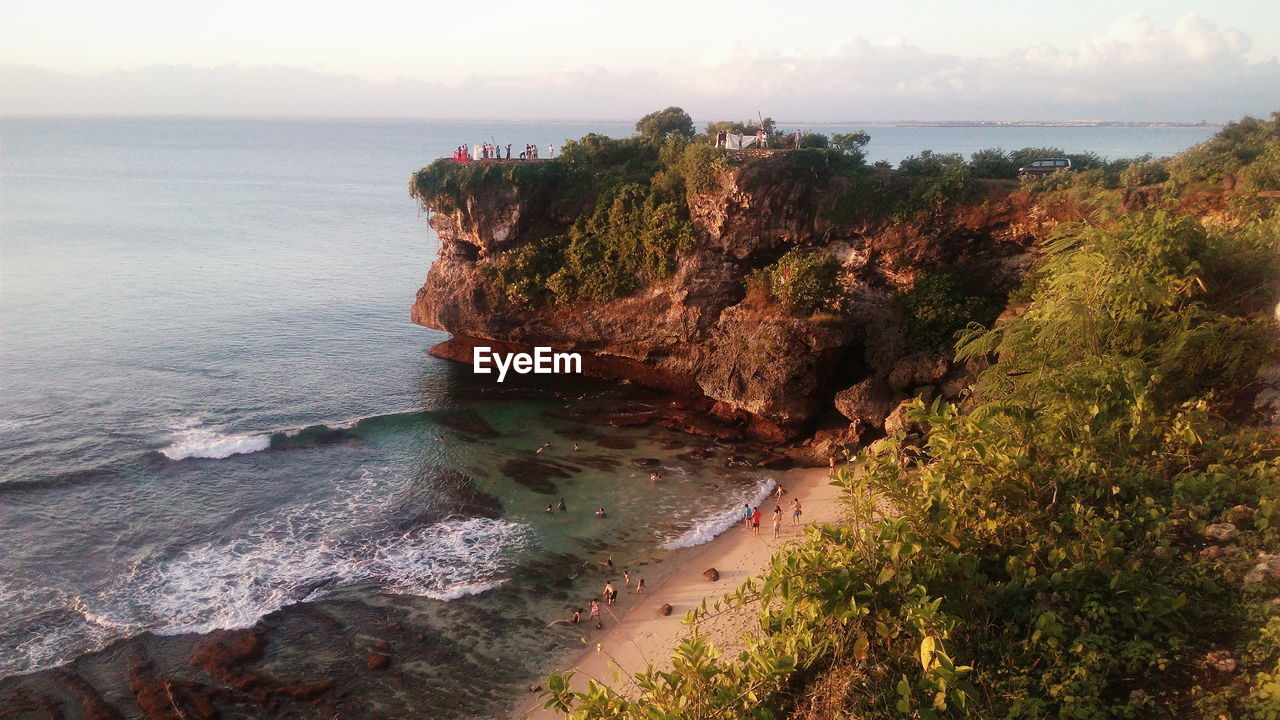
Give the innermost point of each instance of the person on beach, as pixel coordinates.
(831, 462)
(795, 511)
(746, 516)
(779, 491)
(626, 577)
(777, 521)
(640, 585)
(577, 616)
(600, 512)
(595, 612)
(562, 506)
(609, 593)
(755, 521)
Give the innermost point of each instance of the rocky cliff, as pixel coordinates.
(773, 374)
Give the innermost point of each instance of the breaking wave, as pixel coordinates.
(705, 528)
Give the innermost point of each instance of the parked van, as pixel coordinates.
(1045, 166)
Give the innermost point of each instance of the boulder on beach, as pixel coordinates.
(664, 609)
(711, 574)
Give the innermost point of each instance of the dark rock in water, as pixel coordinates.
(616, 442)
(441, 493)
(599, 462)
(775, 462)
(630, 419)
(671, 443)
(665, 609)
(711, 574)
(646, 462)
(377, 661)
(95, 707)
(224, 650)
(534, 474)
(382, 645)
(466, 422)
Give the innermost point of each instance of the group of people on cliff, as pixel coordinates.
(493, 151)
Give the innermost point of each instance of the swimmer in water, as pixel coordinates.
(562, 505)
(576, 447)
(600, 512)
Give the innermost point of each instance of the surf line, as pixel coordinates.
(543, 361)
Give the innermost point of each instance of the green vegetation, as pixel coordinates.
(937, 307)
(1041, 558)
(1228, 152)
(803, 281)
(853, 144)
(672, 122)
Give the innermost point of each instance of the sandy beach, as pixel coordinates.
(635, 635)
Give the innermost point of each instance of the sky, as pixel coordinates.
(1142, 60)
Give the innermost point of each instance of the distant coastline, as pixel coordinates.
(1027, 123)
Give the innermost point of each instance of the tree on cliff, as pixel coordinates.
(662, 124)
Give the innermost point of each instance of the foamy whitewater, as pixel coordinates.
(197, 441)
(705, 529)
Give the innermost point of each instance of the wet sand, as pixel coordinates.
(636, 636)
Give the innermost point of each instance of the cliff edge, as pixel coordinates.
(718, 323)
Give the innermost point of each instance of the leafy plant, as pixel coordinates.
(803, 281)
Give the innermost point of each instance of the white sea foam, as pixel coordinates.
(707, 527)
(198, 441)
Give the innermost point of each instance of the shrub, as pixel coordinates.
(992, 163)
(853, 144)
(661, 124)
(813, 140)
(1143, 172)
(803, 281)
(937, 307)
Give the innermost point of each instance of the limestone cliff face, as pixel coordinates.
(695, 332)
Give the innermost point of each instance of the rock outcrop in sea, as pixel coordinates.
(770, 374)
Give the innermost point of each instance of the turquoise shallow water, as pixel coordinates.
(212, 404)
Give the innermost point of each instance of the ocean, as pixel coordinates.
(213, 407)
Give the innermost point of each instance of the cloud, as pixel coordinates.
(1132, 70)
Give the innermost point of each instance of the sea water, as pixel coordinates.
(213, 406)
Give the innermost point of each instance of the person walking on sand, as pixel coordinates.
(777, 521)
(779, 491)
(626, 577)
(746, 516)
(640, 585)
(609, 593)
(795, 511)
(755, 521)
(595, 612)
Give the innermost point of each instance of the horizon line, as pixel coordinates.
(407, 118)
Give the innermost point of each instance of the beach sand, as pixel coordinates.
(635, 635)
